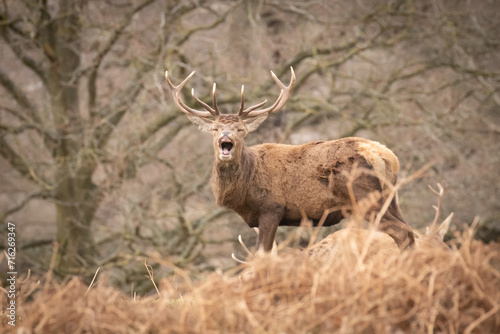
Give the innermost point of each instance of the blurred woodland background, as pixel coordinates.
(94, 154)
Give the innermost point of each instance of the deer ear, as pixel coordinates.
(204, 124)
(254, 122)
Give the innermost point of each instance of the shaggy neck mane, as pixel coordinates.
(230, 179)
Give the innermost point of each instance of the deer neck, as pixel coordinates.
(230, 178)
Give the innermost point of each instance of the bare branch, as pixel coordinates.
(6, 130)
(22, 56)
(16, 113)
(18, 163)
(33, 123)
(93, 69)
(13, 158)
(304, 55)
(18, 95)
(37, 243)
(156, 125)
(179, 124)
(115, 114)
(39, 194)
(220, 19)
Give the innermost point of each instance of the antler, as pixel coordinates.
(439, 193)
(249, 253)
(176, 94)
(250, 112)
(280, 102)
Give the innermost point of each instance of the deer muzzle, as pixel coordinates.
(226, 147)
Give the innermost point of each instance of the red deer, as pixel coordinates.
(353, 245)
(273, 185)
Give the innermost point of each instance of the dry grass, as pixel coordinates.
(424, 290)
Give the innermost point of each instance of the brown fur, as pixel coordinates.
(353, 245)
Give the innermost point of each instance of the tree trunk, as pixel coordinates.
(76, 198)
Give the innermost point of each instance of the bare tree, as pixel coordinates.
(74, 49)
(83, 106)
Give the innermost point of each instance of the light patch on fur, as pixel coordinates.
(353, 245)
(384, 161)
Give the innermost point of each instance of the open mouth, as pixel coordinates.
(226, 148)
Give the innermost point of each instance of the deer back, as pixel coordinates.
(354, 245)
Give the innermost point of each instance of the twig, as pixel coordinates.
(150, 276)
(396, 187)
(439, 193)
(53, 260)
(27, 276)
(92, 283)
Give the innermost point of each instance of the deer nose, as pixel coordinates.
(225, 134)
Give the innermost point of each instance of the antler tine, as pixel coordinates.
(242, 105)
(206, 106)
(176, 94)
(214, 100)
(237, 260)
(258, 105)
(439, 193)
(243, 113)
(280, 102)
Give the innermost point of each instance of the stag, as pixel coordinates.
(355, 244)
(273, 185)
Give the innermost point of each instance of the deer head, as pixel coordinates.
(228, 130)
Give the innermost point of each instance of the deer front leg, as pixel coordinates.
(268, 224)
